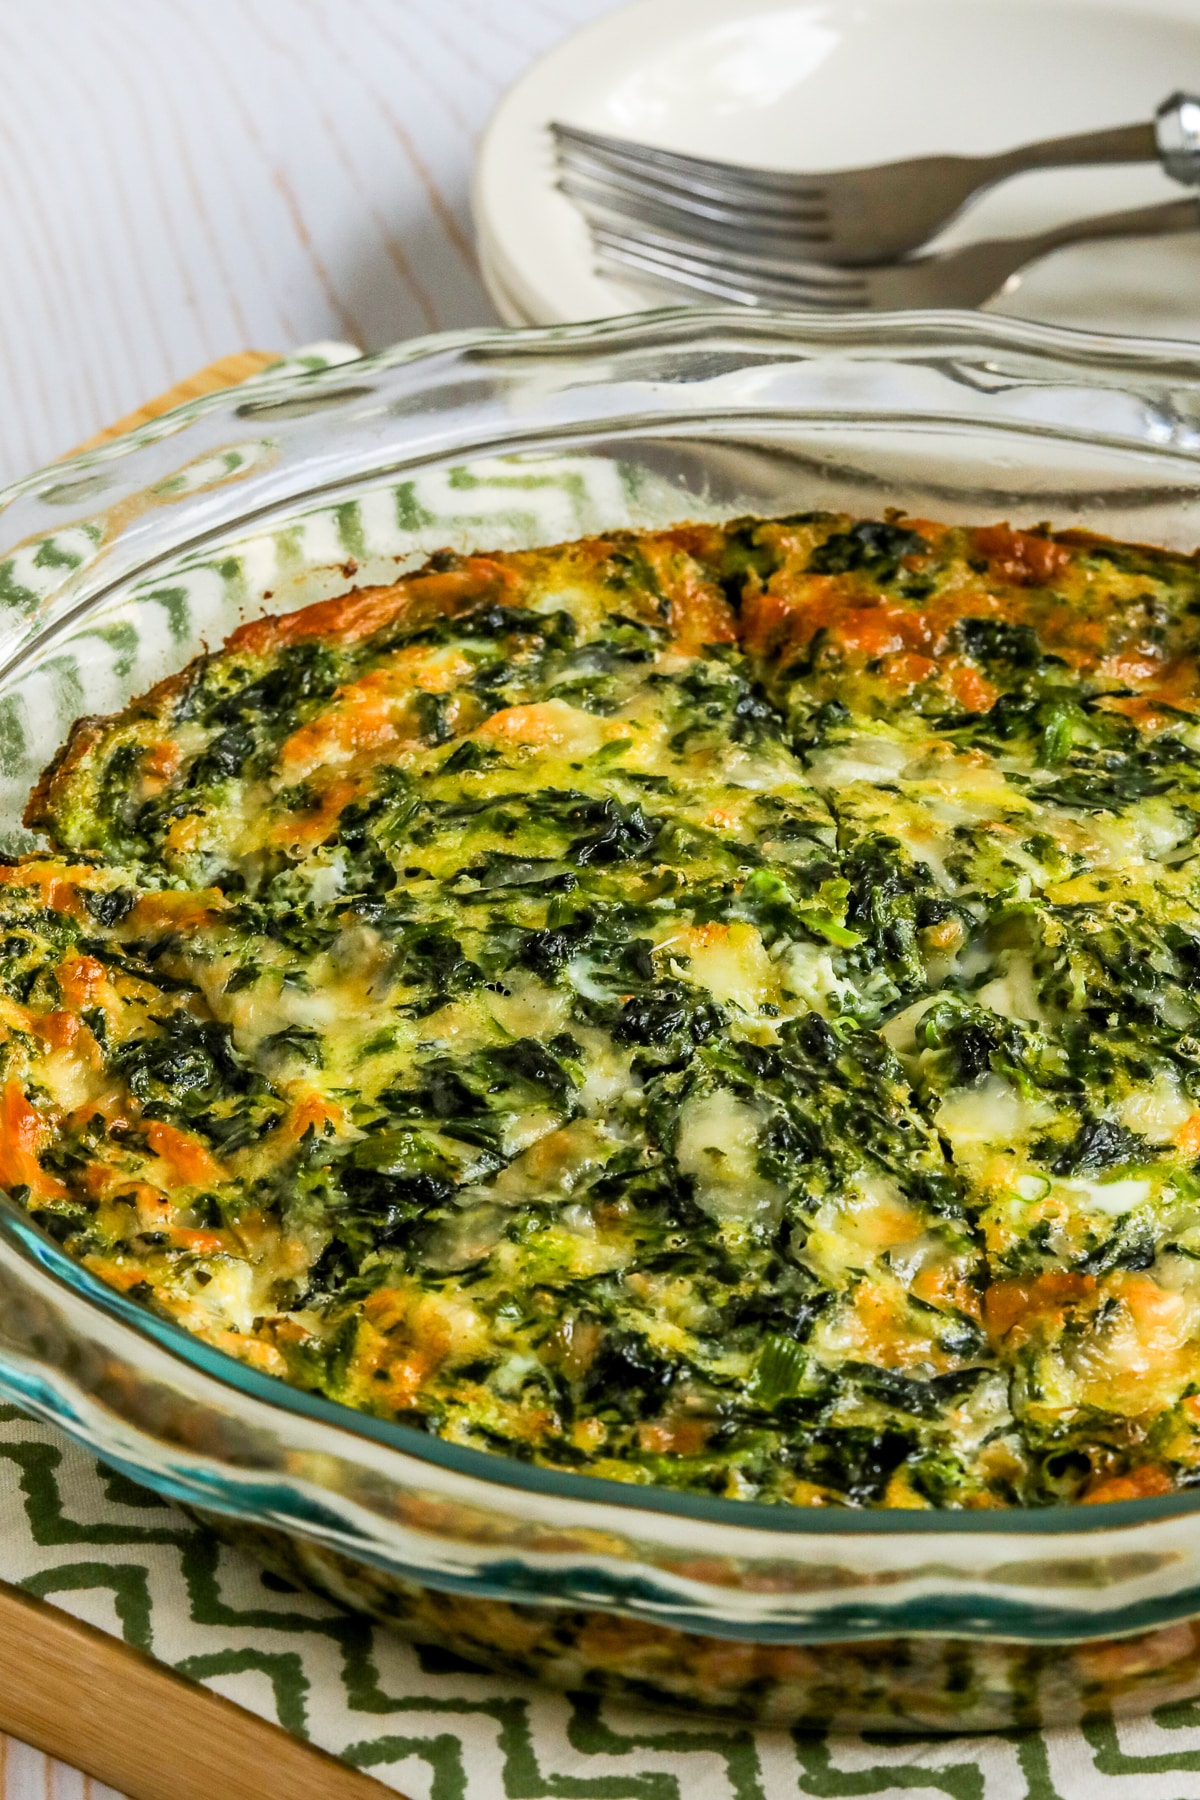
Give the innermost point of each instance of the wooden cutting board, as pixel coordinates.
(227, 371)
(90, 1699)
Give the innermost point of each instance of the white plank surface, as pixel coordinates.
(28, 1775)
(183, 178)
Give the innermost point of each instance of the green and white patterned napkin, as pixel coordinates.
(434, 1728)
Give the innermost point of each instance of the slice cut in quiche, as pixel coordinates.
(717, 1007)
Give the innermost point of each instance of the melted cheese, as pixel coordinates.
(717, 1146)
(730, 1029)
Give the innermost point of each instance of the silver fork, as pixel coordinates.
(965, 277)
(850, 215)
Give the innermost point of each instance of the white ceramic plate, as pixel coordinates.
(823, 84)
(502, 299)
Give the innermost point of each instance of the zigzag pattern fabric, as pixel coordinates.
(433, 1728)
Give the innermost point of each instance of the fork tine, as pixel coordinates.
(825, 277)
(804, 284)
(613, 259)
(691, 197)
(690, 167)
(712, 224)
(660, 179)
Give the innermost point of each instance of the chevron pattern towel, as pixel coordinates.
(433, 1728)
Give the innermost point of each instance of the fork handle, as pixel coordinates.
(1138, 221)
(1172, 139)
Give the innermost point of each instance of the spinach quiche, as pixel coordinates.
(716, 1007)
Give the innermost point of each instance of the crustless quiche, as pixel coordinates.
(718, 1008)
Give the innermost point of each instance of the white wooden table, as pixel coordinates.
(184, 178)
(28, 1775)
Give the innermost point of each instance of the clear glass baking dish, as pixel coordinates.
(120, 564)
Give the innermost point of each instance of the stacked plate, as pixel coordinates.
(826, 84)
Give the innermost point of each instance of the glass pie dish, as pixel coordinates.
(118, 566)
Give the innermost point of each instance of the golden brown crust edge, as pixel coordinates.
(445, 584)
(356, 614)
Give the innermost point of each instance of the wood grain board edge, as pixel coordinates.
(94, 1701)
(226, 372)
